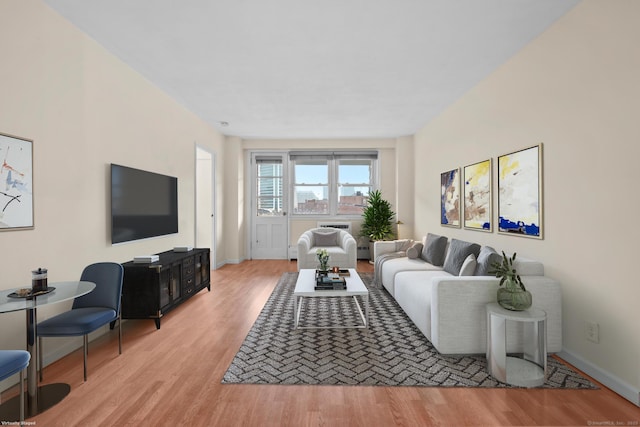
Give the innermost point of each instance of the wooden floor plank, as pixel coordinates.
(172, 376)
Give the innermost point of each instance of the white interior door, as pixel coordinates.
(205, 232)
(270, 227)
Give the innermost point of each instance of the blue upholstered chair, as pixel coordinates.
(90, 311)
(12, 362)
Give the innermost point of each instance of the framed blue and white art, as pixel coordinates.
(450, 198)
(16, 183)
(520, 193)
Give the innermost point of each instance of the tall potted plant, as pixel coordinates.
(377, 219)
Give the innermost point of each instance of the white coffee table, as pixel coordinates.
(305, 289)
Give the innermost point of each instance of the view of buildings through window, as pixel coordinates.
(331, 186)
(355, 182)
(270, 178)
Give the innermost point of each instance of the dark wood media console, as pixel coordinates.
(150, 290)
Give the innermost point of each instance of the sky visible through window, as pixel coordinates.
(318, 174)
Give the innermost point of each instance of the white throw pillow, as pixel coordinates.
(468, 266)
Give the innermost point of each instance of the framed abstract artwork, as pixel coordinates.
(477, 196)
(450, 198)
(16, 183)
(520, 192)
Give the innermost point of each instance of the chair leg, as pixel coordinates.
(86, 347)
(119, 334)
(39, 362)
(22, 397)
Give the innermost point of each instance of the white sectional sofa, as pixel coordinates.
(449, 308)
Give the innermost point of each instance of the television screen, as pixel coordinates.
(143, 204)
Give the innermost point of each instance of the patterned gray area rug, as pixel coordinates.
(392, 353)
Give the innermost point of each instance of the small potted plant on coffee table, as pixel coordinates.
(323, 260)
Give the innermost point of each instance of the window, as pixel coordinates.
(269, 195)
(331, 183)
(311, 188)
(355, 178)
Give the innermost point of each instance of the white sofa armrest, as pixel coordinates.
(383, 247)
(458, 313)
(350, 246)
(304, 245)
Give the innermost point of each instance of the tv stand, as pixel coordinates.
(150, 290)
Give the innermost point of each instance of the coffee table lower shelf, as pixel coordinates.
(305, 289)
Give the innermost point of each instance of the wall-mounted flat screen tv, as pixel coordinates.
(143, 204)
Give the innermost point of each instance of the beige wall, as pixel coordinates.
(576, 89)
(405, 170)
(205, 165)
(234, 225)
(83, 109)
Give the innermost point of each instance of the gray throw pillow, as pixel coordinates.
(434, 249)
(325, 238)
(415, 250)
(487, 257)
(459, 250)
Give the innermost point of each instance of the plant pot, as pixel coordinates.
(514, 299)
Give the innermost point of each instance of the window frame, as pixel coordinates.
(333, 159)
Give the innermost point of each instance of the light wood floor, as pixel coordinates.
(172, 377)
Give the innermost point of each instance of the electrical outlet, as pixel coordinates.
(591, 331)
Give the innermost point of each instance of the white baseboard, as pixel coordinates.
(60, 351)
(57, 348)
(611, 381)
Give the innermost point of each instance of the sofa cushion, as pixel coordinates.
(486, 258)
(434, 249)
(394, 266)
(468, 266)
(415, 250)
(325, 238)
(459, 250)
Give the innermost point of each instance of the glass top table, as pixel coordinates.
(64, 291)
(39, 398)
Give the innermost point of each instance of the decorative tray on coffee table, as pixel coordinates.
(330, 282)
(28, 293)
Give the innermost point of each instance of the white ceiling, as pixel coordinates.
(314, 68)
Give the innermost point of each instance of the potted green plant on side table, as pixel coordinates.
(377, 221)
(513, 296)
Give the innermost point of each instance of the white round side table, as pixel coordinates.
(531, 369)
